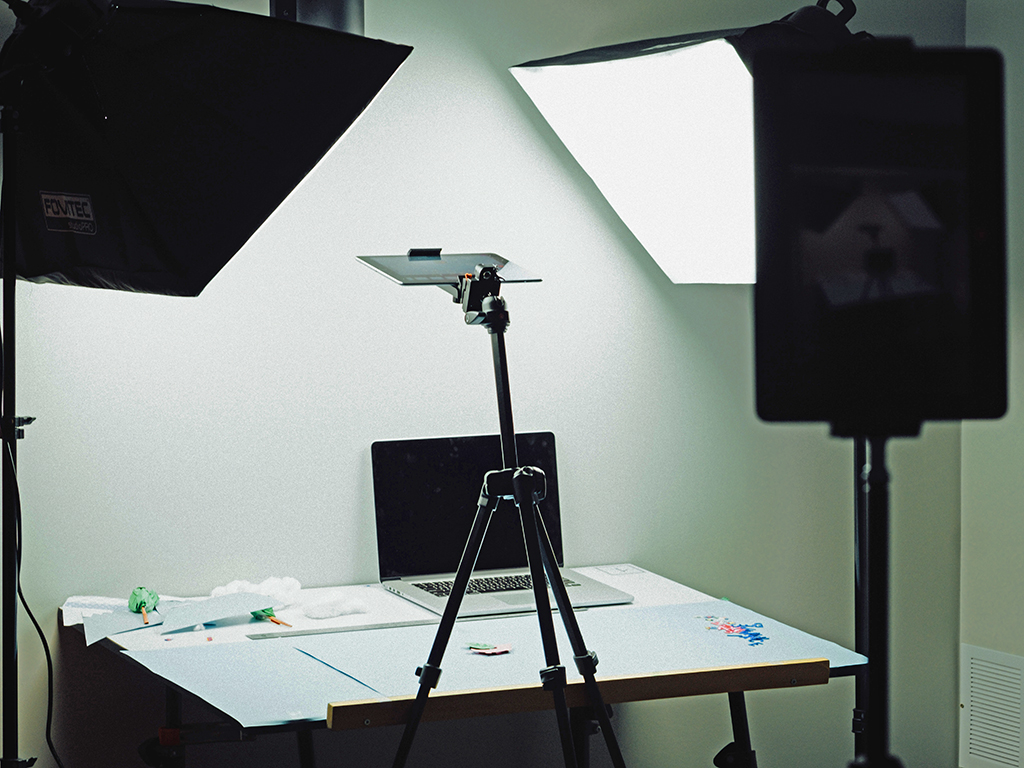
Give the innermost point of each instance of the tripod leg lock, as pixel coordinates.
(587, 663)
(553, 678)
(428, 674)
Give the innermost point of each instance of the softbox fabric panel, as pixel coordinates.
(664, 128)
(152, 153)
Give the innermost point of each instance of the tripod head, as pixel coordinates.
(501, 483)
(478, 294)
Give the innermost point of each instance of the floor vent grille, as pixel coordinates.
(992, 708)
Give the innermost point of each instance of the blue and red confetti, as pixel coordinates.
(748, 632)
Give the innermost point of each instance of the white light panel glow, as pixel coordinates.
(668, 138)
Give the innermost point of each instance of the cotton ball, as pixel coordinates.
(283, 591)
(230, 589)
(338, 606)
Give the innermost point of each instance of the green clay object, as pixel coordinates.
(142, 598)
(263, 613)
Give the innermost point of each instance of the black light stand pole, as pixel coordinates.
(875, 753)
(861, 467)
(8, 425)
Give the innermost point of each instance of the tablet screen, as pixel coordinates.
(880, 299)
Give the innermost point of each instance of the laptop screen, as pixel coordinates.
(425, 494)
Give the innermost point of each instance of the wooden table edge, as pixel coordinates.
(448, 705)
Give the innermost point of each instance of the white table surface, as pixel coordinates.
(372, 653)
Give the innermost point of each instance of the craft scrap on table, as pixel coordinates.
(748, 632)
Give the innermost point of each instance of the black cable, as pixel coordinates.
(31, 616)
(9, 457)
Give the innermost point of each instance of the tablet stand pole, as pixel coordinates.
(861, 468)
(482, 305)
(873, 745)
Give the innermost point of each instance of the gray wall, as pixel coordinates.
(182, 443)
(993, 527)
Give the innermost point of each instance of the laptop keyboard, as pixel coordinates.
(484, 584)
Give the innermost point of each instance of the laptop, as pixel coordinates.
(425, 495)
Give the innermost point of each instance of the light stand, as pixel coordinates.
(876, 342)
(872, 602)
(10, 528)
(145, 141)
(482, 305)
(876, 746)
(861, 467)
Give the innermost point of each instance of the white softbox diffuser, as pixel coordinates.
(665, 130)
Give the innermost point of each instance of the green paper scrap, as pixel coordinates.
(267, 614)
(142, 598)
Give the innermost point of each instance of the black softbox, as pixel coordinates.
(155, 137)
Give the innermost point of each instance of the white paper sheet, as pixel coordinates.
(101, 625)
(627, 640)
(236, 606)
(257, 682)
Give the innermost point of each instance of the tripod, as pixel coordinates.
(478, 294)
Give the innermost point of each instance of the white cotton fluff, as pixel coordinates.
(283, 591)
(338, 606)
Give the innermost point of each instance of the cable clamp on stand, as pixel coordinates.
(428, 674)
(19, 426)
(860, 718)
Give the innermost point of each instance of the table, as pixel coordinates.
(672, 641)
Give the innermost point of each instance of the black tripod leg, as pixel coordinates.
(430, 672)
(552, 676)
(584, 726)
(307, 755)
(586, 661)
(739, 753)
